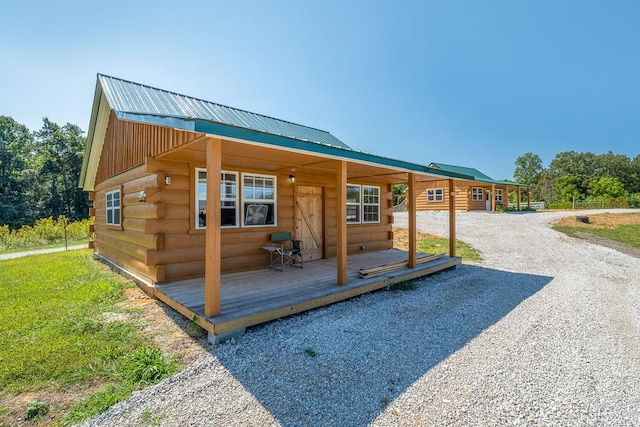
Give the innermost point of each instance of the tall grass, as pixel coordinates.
(45, 232)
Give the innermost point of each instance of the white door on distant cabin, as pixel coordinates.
(308, 213)
(488, 203)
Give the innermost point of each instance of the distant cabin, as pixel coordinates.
(478, 193)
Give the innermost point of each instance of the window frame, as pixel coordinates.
(198, 198)
(357, 204)
(360, 204)
(477, 194)
(376, 204)
(499, 196)
(244, 201)
(113, 208)
(433, 198)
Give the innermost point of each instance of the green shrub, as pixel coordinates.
(46, 231)
(617, 202)
(633, 200)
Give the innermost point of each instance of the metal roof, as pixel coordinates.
(145, 104)
(126, 97)
(475, 173)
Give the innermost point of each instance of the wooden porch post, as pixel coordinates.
(413, 247)
(452, 219)
(341, 228)
(529, 197)
(213, 237)
(518, 198)
(493, 197)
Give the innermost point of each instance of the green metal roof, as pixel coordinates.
(126, 97)
(475, 173)
(145, 104)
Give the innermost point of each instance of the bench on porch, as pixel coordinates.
(284, 251)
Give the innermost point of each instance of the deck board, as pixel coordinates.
(252, 297)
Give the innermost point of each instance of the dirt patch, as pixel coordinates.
(401, 238)
(172, 333)
(601, 221)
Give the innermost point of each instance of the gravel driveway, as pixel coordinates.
(544, 331)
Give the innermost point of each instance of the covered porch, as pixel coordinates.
(253, 297)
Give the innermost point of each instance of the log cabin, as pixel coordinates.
(479, 193)
(156, 162)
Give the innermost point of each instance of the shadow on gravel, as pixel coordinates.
(344, 364)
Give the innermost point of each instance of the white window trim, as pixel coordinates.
(370, 204)
(477, 194)
(437, 195)
(113, 208)
(361, 204)
(263, 201)
(358, 204)
(227, 199)
(499, 196)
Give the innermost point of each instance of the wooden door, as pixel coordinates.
(308, 212)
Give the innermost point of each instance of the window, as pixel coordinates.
(435, 195)
(477, 194)
(258, 200)
(113, 207)
(370, 203)
(499, 196)
(228, 199)
(363, 203)
(353, 203)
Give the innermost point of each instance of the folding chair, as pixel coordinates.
(284, 251)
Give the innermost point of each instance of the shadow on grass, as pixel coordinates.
(371, 349)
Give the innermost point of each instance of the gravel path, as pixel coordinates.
(544, 331)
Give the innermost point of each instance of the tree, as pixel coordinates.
(59, 160)
(606, 188)
(528, 169)
(15, 144)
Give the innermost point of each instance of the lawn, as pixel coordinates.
(68, 350)
(624, 228)
(433, 244)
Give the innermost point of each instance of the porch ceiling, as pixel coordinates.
(238, 155)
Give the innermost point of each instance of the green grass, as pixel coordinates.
(628, 234)
(439, 245)
(54, 337)
(59, 244)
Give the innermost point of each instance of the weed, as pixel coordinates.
(37, 408)
(148, 419)
(405, 285)
(194, 328)
(310, 352)
(148, 365)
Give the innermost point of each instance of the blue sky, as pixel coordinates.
(472, 83)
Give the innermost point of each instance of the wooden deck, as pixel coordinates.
(253, 297)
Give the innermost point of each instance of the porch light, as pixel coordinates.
(142, 197)
(292, 178)
(167, 180)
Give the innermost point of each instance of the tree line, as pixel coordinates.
(39, 172)
(613, 178)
